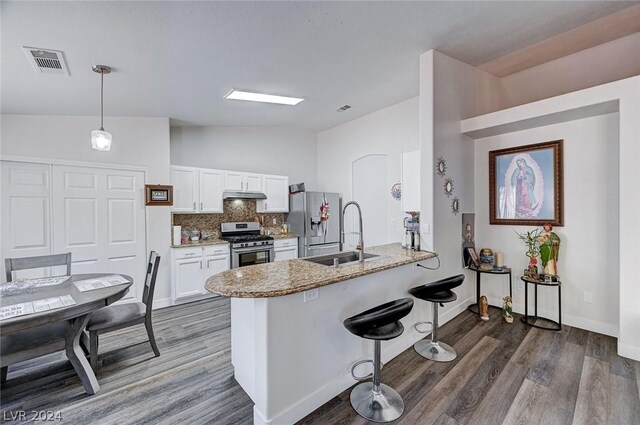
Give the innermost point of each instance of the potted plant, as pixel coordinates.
(532, 241)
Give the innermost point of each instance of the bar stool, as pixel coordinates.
(372, 400)
(438, 292)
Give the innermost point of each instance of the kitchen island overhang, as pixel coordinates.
(290, 355)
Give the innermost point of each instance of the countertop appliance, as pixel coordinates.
(315, 216)
(247, 245)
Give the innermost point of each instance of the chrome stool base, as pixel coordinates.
(436, 351)
(386, 405)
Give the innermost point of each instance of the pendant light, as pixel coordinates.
(101, 139)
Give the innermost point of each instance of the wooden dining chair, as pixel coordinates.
(119, 316)
(36, 342)
(15, 264)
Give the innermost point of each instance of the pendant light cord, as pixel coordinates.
(101, 101)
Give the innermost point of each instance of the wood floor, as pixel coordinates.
(504, 374)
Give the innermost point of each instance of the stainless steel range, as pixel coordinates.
(248, 246)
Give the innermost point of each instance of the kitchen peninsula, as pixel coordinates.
(289, 348)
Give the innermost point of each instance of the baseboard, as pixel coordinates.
(162, 303)
(629, 351)
(310, 403)
(567, 319)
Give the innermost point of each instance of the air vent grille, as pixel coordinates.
(344, 108)
(46, 61)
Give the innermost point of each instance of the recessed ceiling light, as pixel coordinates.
(262, 97)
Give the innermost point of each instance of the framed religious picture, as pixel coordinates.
(472, 257)
(156, 194)
(525, 185)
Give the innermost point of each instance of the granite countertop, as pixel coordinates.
(201, 243)
(287, 236)
(291, 276)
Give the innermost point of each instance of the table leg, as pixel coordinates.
(75, 354)
(510, 288)
(478, 274)
(526, 303)
(560, 306)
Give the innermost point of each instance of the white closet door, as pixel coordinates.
(26, 225)
(98, 216)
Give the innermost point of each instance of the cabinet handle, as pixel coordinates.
(190, 254)
(200, 204)
(200, 264)
(265, 205)
(241, 185)
(194, 205)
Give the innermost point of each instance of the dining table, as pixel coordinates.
(43, 332)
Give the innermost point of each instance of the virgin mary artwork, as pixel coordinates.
(525, 184)
(522, 192)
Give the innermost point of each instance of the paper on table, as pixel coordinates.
(36, 306)
(101, 282)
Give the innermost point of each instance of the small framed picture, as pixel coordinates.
(156, 194)
(473, 257)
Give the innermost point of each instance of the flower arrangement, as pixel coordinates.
(532, 241)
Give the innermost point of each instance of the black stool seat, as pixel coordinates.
(441, 297)
(438, 291)
(381, 322)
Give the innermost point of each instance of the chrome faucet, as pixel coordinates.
(360, 246)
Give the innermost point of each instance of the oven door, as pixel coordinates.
(249, 256)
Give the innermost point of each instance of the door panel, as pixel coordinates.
(26, 218)
(233, 181)
(98, 216)
(211, 188)
(184, 181)
(189, 277)
(253, 182)
(277, 190)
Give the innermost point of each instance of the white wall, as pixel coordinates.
(390, 131)
(268, 150)
(136, 141)
(447, 96)
(589, 246)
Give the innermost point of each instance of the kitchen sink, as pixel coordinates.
(346, 257)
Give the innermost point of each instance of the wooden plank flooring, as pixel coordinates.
(504, 374)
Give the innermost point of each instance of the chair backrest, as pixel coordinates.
(150, 280)
(24, 263)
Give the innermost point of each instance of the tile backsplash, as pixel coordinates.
(234, 210)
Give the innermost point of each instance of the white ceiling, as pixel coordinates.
(177, 59)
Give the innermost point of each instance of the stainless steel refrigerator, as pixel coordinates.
(315, 217)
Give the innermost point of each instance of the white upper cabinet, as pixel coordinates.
(253, 182)
(211, 188)
(197, 189)
(411, 181)
(234, 181)
(185, 188)
(201, 189)
(237, 181)
(277, 190)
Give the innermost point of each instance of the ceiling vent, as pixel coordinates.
(46, 61)
(344, 108)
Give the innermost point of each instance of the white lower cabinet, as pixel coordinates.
(193, 266)
(286, 249)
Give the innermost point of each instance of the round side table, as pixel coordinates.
(530, 319)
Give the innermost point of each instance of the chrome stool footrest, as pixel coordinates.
(358, 363)
(423, 331)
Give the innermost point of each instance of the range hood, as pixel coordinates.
(243, 195)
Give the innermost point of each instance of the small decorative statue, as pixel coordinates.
(483, 308)
(549, 250)
(507, 309)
